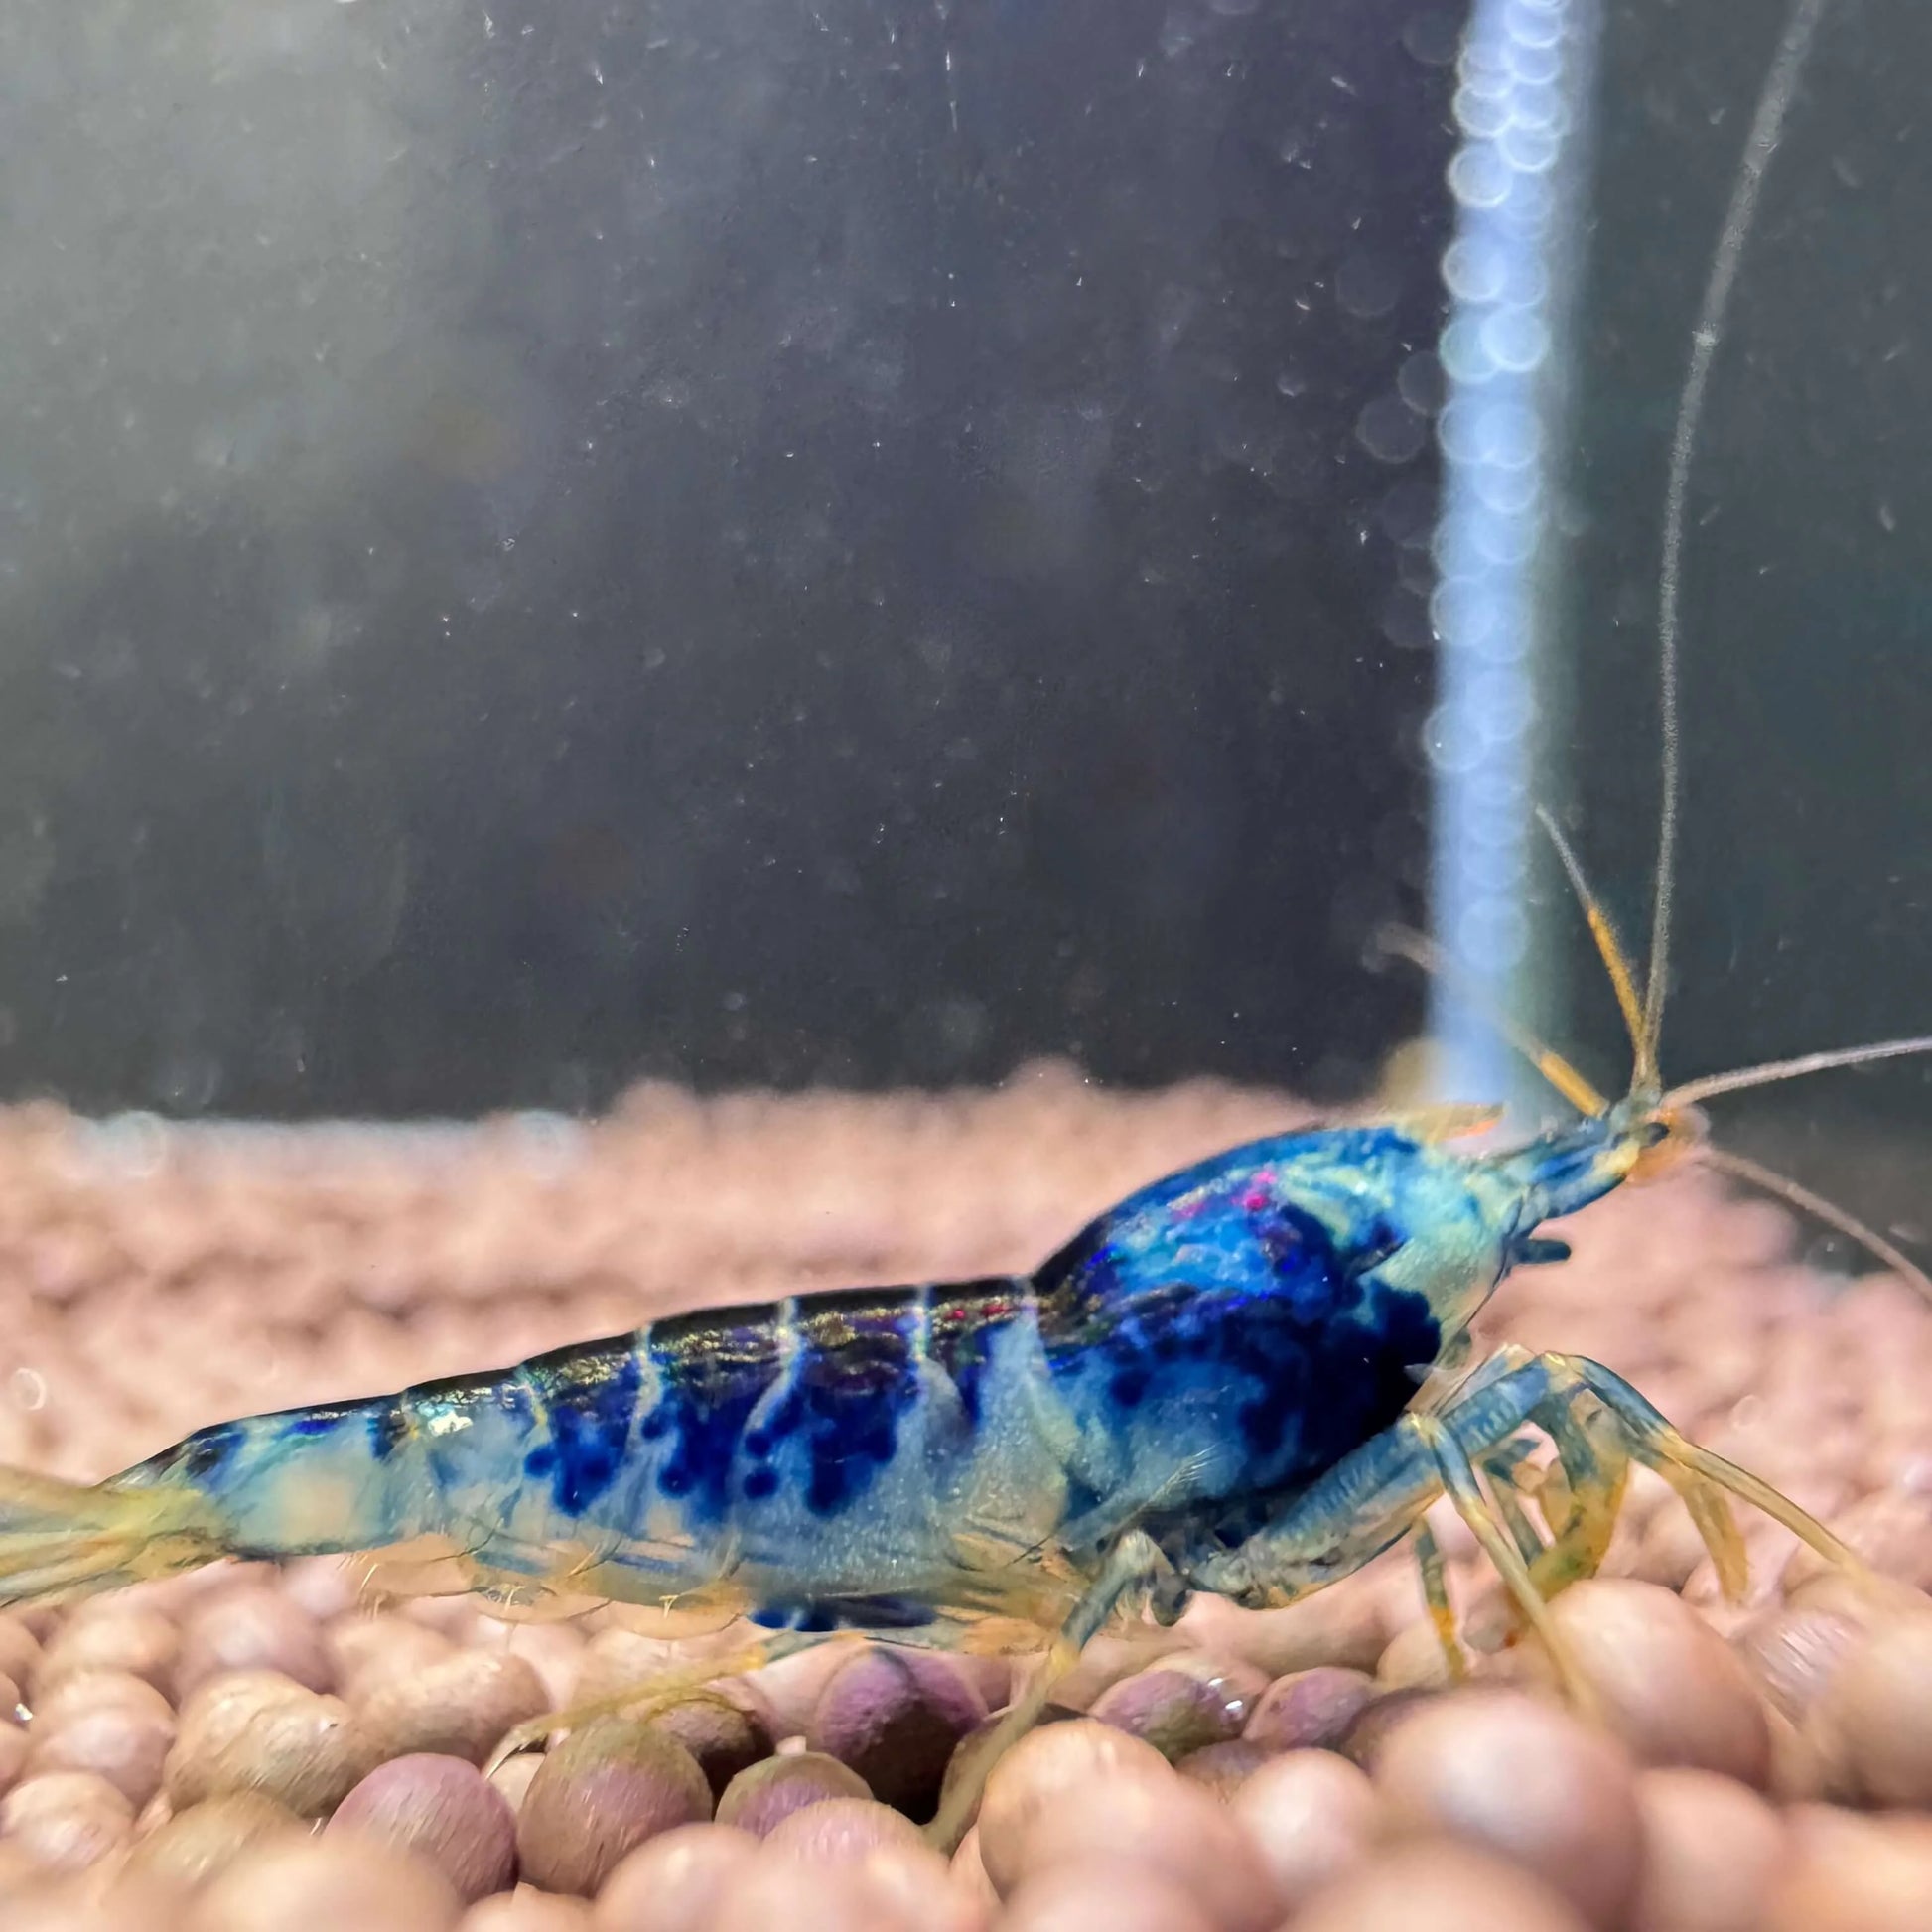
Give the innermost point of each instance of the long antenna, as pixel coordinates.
(1767, 124)
(1550, 1065)
(1796, 1195)
(1742, 1079)
(1609, 948)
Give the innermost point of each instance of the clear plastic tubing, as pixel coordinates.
(1518, 177)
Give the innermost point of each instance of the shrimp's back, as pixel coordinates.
(870, 1452)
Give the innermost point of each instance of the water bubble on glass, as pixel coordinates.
(1390, 430)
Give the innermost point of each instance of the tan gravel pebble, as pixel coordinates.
(1414, 1660)
(1518, 1778)
(144, 1643)
(527, 1909)
(303, 1750)
(555, 1651)
(15, 1744)
(97, 1689)
(67, 1820)
(20, 1871)
(670, 1883)
(461, 1705)
(126, 1747)
(600, 1794)
(438, 1809)
(618, 1662)
(1874, 1719)
(324, 1886)
(762, 1795)
(1853, 1875)
(969, 1875)
(1793, 1651)
(918, 1885)
(20, 1651)
(1103, 1895)
(1712, 1849)
(193, 1845)
(1347, 1625)
(211, 1721)
(86, 1907)
(326, 1587)
(1031, 1779)
(250, 1629)
(1674, 1689)
(370, 1650)
(841, 1830)
(767, 1893)
(1166, 1824)
(1312, 1816)
(1445, 1887)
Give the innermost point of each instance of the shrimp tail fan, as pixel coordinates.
(60, 1541)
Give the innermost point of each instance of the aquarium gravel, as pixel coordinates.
(247, 1748)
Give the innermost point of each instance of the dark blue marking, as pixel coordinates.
(785, 1419)
(388, 1428)
(963, 1319)
(318, 1422)
(856, 1374)
(208, 1451)
(845, 1614)
(588, 1397)
(762, 1484)
(714, 1369)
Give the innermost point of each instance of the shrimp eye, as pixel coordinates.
(1672, 1133)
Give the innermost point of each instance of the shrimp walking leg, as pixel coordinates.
(1688, 1468)
(666, 1686)
(1435, 1597)
(1599, 1424)
(1132, 1566)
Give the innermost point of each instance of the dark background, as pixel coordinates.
(751, 542)
(546, 544)
(1805, 917)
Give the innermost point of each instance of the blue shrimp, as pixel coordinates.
(1241, 1331)
(1213, 1387)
